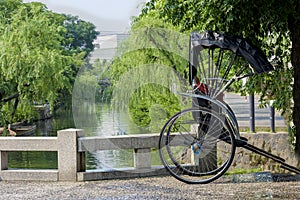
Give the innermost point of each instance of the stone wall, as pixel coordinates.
(274, 143)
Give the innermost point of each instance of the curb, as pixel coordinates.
(259, 177)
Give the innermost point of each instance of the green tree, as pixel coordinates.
(34, 65)
(273, 25)
(78, 40)
(80, 35)
(145, 72)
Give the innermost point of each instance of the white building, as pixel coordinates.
(106, 46)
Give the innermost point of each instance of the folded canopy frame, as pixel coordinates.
(207, 58)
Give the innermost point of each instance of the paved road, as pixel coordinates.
(240, 106)
(147, 188)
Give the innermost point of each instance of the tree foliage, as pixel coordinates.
(80, 35)
(35, 64)
(146, 71)
(272, 25)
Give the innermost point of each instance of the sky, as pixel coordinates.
(106, 15)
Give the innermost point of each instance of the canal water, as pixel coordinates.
(106, 123)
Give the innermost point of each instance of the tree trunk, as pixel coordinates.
(14, 109)
(295, 35)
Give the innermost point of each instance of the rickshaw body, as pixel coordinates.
(197, 145)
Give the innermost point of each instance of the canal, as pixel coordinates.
(107, 123)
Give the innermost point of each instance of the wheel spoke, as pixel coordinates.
(197, 155)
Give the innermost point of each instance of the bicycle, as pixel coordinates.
(197, 145)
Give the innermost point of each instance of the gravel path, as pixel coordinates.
(147, 188)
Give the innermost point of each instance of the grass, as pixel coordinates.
(263, 129)
(243, 171)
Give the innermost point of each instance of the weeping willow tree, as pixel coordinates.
(148, 94)
(272, 25)
(149, 73)
(34, 65)
(154, 60)
(154, 107)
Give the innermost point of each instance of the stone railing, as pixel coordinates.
(140, 143)
(71, 146)
(70, 161)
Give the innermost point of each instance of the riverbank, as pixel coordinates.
(147, 188)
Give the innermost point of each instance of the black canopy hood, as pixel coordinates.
(253, 55)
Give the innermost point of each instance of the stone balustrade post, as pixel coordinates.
(142, 158)
(3, 160)
(70, 161)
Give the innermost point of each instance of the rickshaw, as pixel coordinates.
(197, 145)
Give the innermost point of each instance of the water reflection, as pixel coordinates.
(33, 160)
(105, 123)
(110, 159)
(62, 119)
